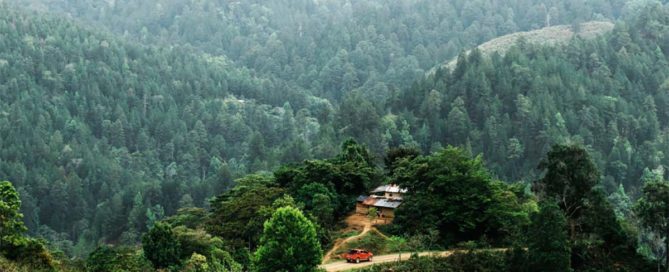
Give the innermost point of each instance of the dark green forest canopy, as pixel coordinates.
(122, 114)
(610, 95)
(454, 194)
(330, 47)
(96, 132)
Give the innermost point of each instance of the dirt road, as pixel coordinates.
(355, 222)
(343, 265)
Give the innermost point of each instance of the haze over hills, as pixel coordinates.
(211, 116)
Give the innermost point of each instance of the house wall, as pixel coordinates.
(388, 212)
(392, 195)
(361, 208)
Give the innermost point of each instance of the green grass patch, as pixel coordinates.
(349, 234)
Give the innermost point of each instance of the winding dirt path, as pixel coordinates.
(355, 222)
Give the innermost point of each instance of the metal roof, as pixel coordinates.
(387, 203)
(390, 188)
(380, 202)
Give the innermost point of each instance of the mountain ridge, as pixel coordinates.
(552, 35)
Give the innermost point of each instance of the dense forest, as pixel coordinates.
(133, 124)
(610, 94)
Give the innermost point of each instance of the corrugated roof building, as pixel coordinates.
(385, 199)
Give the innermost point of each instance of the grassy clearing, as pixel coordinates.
(547, 36)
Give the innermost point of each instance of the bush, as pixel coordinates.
(31, 252)
(107, 258)
(161, 246)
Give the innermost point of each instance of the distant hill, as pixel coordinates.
(547, 36)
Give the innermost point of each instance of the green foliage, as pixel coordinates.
(371, 213)
(237, 215)
(653, 207)
(570, 176)
(196, 263)
(319, 201)
(454, 194)
(598, 239)
(653, 210)
(13, 244)
(394, 155)
(31, 252)
(603, 93)
(372, 241)
(161, 246)
(200, 263)
(105, 135)
(112, 259)
(188, 217)
(548, 240)
(288, 243)
(621, 202)
(339, 179)
(195, 241)
(128, 129)
(11, 224)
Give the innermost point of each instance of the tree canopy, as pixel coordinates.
(288, 243)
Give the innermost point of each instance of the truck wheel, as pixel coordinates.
(357, 260)
(370, 259)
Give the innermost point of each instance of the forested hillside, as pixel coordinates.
(103, 137)
(330, 47)
(116, 115)
(610, 94)
(107, 135)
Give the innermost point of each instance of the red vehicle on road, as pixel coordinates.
(357, 255)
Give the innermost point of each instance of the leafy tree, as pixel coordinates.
(371, 213)
(108, 258)
(653, 210)
(342, 179)
(599, 240)
(11, 223)
(548, 240)
(394, 155)
(288, 243)
(454, 194)
(161, 246)
(570, 176)
(237, 215)
(621, 203)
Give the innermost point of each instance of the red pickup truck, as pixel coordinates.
(357, 255)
